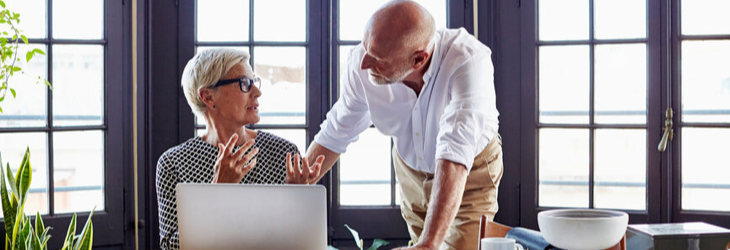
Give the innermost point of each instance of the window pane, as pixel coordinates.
(620, 95)
(563, 169)
(617, 19)
(344, 57)
(354, 15)
(78, 171)
(564, 84)
(222, 20)
(365, 170)
(70, 22)
(28, 109)
(706, 81)
(283, 98)
(32, 17)
(296, 136)
(78, 93)
(705, 17)
(705, 169)
(269, 25)
(620, 169)
(13, 148)
(563, 19)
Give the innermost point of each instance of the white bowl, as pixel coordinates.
(582, 229)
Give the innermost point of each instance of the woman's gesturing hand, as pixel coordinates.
(305, 174)
(232, 167)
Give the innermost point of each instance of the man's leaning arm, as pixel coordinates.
(330, 157)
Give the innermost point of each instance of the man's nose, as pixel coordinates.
(367, 62)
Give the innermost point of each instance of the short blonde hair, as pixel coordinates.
(204, 70)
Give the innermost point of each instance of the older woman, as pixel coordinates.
(221, 87)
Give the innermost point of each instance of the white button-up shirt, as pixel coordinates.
(453, 118)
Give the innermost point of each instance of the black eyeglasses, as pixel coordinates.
(244, 83)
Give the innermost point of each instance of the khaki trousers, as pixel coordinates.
(480, 197)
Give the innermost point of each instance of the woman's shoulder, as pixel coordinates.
(275, 142)
(194, 145)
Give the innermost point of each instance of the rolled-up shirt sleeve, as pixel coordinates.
(350, 114)
(469, 121)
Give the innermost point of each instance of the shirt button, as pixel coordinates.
(418, 134)
(420, 158)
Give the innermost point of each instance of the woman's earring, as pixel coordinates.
(213, 106)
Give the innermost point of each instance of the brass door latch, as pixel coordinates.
(668, 130)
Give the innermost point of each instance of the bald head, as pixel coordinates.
(400, 25)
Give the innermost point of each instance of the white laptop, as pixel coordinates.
(251, 217)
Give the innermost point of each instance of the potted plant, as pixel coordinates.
(20, 232)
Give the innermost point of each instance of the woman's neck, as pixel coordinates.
(220, 133)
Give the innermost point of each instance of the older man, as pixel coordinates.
(433, 92)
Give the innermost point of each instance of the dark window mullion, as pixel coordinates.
(49, 106)
(591, 109)
(592, 41)
(250, 32)
(392, 177)
(258, 43)
(703, 37)
(65, 41)
(592, 126)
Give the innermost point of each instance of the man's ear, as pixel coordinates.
(206, 95)
(420, 58)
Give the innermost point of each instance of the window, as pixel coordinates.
(76, 144)
(591, 146)
(704, 44)
(605, 72)
(278, 55)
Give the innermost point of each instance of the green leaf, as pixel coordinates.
(8, 211)
(25, 175)
(12, 91)
(39, 51)
(68, 241)
(29, 55)
(48, 84)
(332, 248)
(24, 232)
(377, 243)
(13, 186)
(87, 237)
(40, 229)
(355, 235)
(25, 39)
(16, 69)
(1, 111)
(87, 234)
(2, 4)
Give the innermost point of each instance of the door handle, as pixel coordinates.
(668, 130)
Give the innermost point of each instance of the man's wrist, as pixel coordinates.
(428, 243)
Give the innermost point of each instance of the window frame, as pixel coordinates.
(674, 99)
(109, 222)
(663, 73)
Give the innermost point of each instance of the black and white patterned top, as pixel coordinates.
(193, 162)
